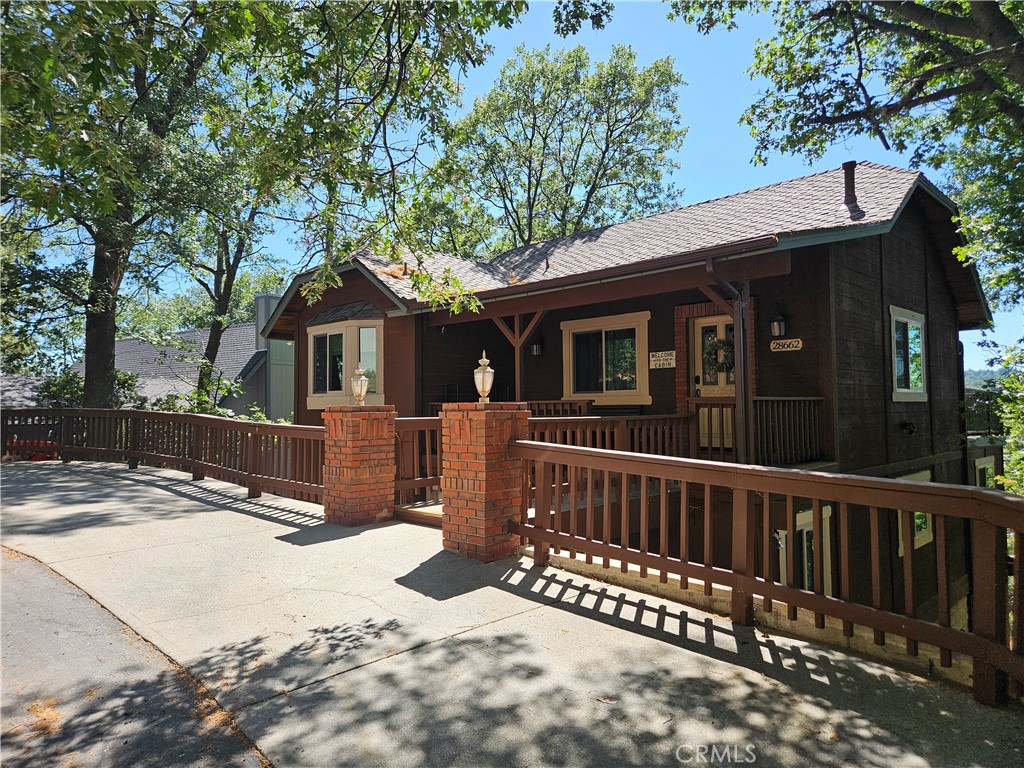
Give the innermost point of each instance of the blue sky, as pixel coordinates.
(715, 158)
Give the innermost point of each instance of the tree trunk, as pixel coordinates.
(204, 386)
(109, 257)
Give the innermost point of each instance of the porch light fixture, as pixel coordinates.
(537, 348)
(778, 325)
(483, 377)
(360, 384)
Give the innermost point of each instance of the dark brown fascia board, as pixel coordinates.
(762, 244)
(304, 277)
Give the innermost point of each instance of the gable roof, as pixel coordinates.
(166, 370)
(776, 217)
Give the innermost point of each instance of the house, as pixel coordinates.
(833, 300)
(262, 368)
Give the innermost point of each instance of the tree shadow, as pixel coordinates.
(505, 698)
(160, 721)
(82, 496)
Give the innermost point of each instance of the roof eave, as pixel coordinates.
(401, 307)
(761, 244)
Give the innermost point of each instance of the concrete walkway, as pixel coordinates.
(372, 646)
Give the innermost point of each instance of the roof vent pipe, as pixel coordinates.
(850, 196)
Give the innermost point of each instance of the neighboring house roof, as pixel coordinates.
(780, 216)
(167, 370)
(19, 391)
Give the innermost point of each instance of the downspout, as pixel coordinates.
(740, 299)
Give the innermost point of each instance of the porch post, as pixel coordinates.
(482, 486)
(359, 463)
(988, 606)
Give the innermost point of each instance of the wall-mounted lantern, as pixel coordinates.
(778, 324)
(537, 347)
(483, 377)
(360, 384)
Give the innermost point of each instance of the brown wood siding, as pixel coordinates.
(542, 376)
(900, 269)
(803, 298)
(356, 287)
(450, 353)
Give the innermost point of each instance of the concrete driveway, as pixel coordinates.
(371, 646)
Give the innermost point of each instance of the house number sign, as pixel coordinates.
(786, 345)
(663, 359)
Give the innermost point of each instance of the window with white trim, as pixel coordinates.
(803, 555)
(604, 359)
(909, 375)
(335, 351)
(923, 523)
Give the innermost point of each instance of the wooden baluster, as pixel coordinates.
(766, 545)
(606, 519)
(255, 490)
(791, 544)
(988, 607)
(907, 523)
(196, 453)
(590, 511)
(573, 504)
(624, 519)
(844, 561)
(645, 524)
(876, 570)
(684, 525)
(819, 558)
(942, 574)
(744, 544)
(708, 539)
(542, 512)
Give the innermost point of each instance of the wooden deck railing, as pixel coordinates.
(418, 459)
(720, 524)
(279, 458)
(713, 430)
(787, 430)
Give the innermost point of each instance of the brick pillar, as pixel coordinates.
(359, 463)
(480, 483)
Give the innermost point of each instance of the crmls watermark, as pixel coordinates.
(716, 754)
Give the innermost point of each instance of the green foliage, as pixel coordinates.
(67, 390)
(1011, 404)
(944, 81)
(558, 146)
(40, 320)
(154, 317)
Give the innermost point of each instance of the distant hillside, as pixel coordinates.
(979, 378)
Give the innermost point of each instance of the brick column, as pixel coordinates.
(359, 463)
(481, 484)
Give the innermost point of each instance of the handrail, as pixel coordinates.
(285, 458)
(617, 506)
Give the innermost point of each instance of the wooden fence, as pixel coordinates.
(280, 458)
(721, 524)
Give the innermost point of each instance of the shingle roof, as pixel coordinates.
(802, 205)
(165, 370)
(19, 391)
(805, 204)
